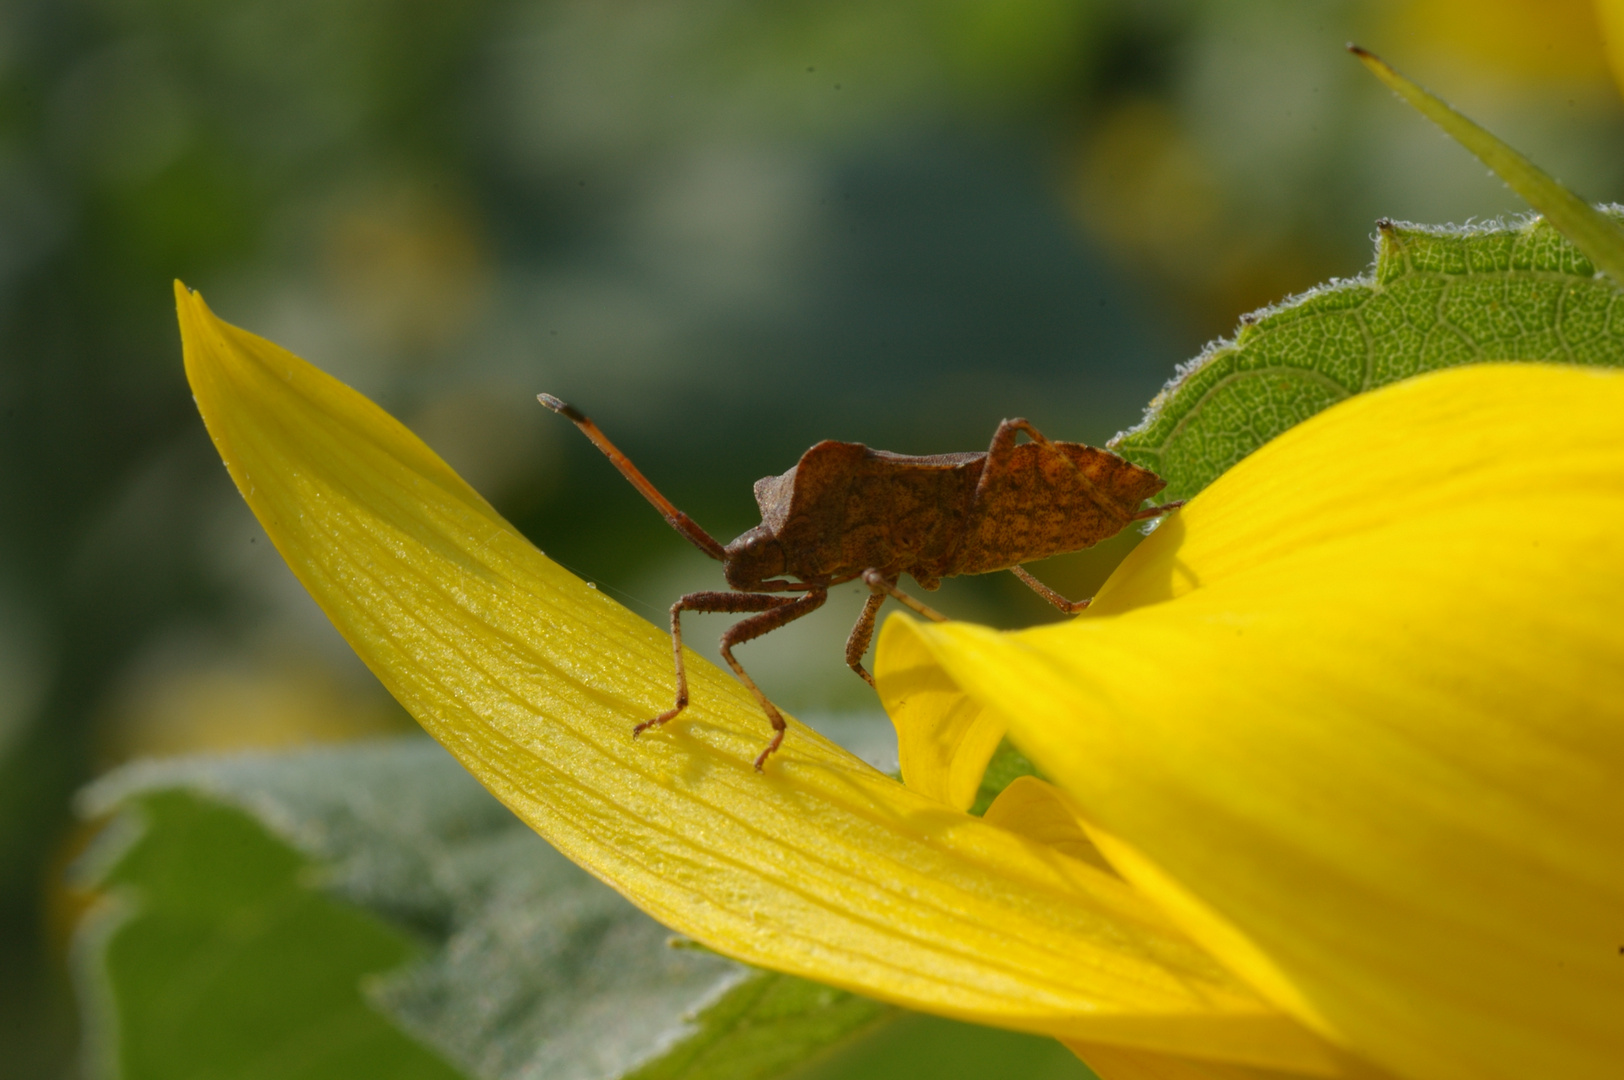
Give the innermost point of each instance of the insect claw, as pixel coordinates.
(777, 740)
(669, 714)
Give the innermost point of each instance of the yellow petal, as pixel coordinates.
(1355, 718)
(1044, 813)
(822, 867)
(944, 739)
(1610, 14)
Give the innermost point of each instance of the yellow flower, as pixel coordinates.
(1340, 745)
(1610, 14)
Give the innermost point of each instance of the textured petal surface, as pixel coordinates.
(1355, 717)
(822, 867)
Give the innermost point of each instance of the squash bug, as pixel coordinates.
(845, 512)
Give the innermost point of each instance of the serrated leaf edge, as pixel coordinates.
(1388, 230)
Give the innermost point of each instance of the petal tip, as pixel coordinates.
(187, 299)
(189, 309)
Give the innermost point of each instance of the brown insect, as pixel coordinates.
(846, 512)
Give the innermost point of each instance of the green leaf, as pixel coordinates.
(1437, 297)
(765, 1026)
(919, 1047)
(1591, 231)
(209, 958)
(528, 966)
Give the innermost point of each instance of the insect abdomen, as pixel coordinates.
(1038, 504)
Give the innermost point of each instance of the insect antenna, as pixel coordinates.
(679, 521)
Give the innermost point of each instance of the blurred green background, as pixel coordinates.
(724, 229)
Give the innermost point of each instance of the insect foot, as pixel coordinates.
(669, 714)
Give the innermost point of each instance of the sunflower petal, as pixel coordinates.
(822, 866)
(1610, 14)
(1044, 813)
(944, 739)
(1355, 718)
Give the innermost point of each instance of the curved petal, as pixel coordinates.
(944, 739)
(822, 867)
(1037, 809)
(1355, 718)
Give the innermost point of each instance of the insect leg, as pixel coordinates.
(787, 611)
(861, 634)
(1157, 511)
(1070, 607)
(704, 602)
(1008, 429)
(877, 583)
